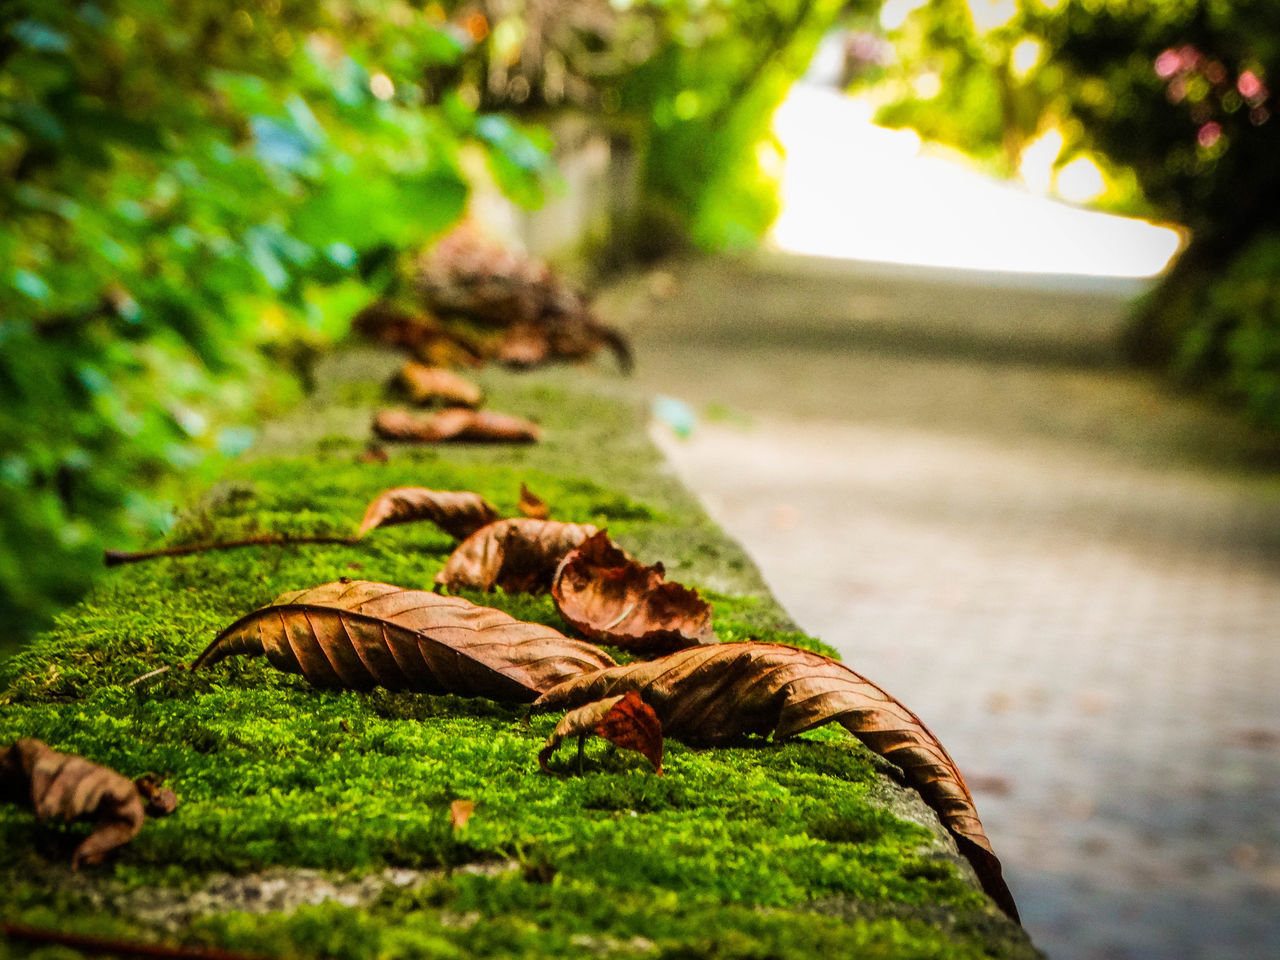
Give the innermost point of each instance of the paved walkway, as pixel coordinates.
(1072, 576)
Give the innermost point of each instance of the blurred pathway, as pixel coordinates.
(1072, 576)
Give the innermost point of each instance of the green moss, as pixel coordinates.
(722, 857)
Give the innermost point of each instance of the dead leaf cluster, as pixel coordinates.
(477, 300)
(361, 634)
(67, 786)
(541, 318)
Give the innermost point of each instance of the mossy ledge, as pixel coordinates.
(793, 850)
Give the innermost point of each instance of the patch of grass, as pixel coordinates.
(718, 858)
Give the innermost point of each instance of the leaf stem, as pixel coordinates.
(115, 558)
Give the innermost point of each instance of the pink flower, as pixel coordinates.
(1250, 86)
(1167, 64)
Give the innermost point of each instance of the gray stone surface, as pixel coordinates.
(1072, 575)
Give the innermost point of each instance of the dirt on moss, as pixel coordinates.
(735, 852)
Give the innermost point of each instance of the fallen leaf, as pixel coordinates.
(625, 720)
(373, 453)
(460, 812)
(358, 634)
(611, 598)
(423, 336)
(427, 385)
(470, 275)
(456, 424)
(531, 505)
(721, 693)
(519, 555)
(69, 786)
(458, 513)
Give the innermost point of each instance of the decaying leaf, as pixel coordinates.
(421, 335)
(373, 453)
(460, 812)
(718, 694)
(436, 385)
(458, 513)
(612, 598)
(625, 720)
(69, 786)
(358, 634)
(469, 275)
(531, 505)
(457, 424)
(519, 555)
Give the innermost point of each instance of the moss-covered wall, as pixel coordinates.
(797, 850)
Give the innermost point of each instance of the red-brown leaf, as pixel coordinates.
(69, 786)
(428, 385)
(531, 505)
(458, 424)
(519, 555)
(720, 693)
(624, 720)
(612, 598)
(458, 513)
(358, 634)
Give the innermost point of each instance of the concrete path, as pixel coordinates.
(1073, 576)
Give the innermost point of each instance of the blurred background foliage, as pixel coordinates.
(1158, 108)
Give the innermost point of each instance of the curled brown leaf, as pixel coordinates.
(625, 720)
(718, 694)
(611, 598)
(457, 424)
(69, 786)
(458, 513)
(359, 634)
(531, 505)
(519, 555)
(435, 385)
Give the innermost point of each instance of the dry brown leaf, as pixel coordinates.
(435, 385)
(625, 720)
(611, 598)
(531, 505)
(460, 812)
(423, 336)
(458, 513)
(69, 786)
(470, 275)
(373, 453)
(519, 555)
(456, 424)
(358, 634)
(718, 694)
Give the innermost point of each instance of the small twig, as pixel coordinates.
(147, 676)
(126, 948)
(114, 558)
